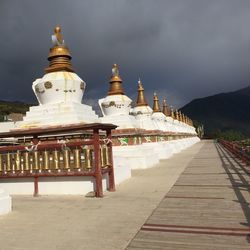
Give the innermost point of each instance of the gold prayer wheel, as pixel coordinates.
(26, 159)
(56, 159)
(107, 157)
(102, 156)
(88, 158)
(66, 158)
(36, 160)
(77, 159)
(8, 162)
(17, 160)
(46, 160)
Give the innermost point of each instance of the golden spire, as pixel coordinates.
(177, 115)
(183, 118)
(115, 82)
(59, 56)
(141, 100)
(172, 112)
(165, 109)
(180, 116)
(156, 106)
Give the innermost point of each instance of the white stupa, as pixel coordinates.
(59, 92)
(142, 111)
(116, 105)
(158, 117)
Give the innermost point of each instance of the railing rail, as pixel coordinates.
(237, 150)
(77, 157)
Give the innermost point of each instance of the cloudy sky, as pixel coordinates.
(182, 49)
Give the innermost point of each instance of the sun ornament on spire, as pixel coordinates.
(115, 70)
(57, 38)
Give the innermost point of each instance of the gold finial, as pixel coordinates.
(58, 35)
(172, 112)
(156, 106)
(141, 100)
(115, 82)
(59, 56)
(165, 109)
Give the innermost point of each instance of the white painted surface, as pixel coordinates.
(6, 126)
(5, 202)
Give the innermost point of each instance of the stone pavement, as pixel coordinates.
(206, 209)
(77, 222)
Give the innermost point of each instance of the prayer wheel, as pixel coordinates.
(56, 159)
(46, 160)
(66, 158)
(18, 161)
(36, 160)
(77, 158)
(26, 159)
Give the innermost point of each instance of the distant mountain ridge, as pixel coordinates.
(8, 107)
(222, 112)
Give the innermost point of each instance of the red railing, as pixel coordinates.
(237, 150)
(81, 150)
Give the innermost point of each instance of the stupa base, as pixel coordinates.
(58, 114)
(122, 121)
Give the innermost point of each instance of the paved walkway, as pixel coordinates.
(207, 208)
(198, 199)
(75, 222)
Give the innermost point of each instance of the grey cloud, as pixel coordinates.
(183, 49)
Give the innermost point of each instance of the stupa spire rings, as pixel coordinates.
(115, 82)
(59, 56)
(172, 112)
(141, 100)
(156, 106)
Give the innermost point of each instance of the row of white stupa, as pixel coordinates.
(59, 93)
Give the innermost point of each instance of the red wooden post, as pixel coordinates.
(98, 170)
(36, 190)
(111, 171)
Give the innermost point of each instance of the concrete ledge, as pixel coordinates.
(5, 202)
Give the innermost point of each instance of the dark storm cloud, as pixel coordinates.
(183, 49)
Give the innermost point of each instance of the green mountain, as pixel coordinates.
(222, 112)
(7, 107)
